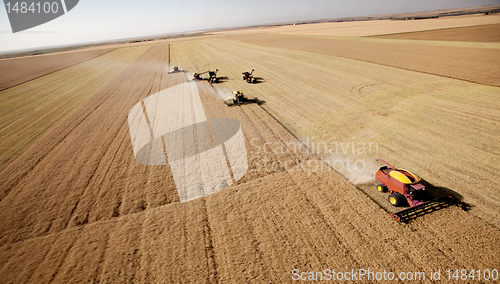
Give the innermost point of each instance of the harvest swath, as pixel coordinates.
(76, 206)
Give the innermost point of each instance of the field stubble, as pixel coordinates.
(77, 207)
(14, 71)
(28, 110)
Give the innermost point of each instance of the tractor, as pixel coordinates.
(247, 76)
(212, 76)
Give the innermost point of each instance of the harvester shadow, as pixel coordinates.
(260, 102)
(223, 79)
(439, 191)
(258, 80)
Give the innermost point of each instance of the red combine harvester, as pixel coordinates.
(405, 187)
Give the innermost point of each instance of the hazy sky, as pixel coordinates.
(99, 20)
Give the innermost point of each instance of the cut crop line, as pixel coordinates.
(333, 229)
(211, 133)
(62, 68)
(223, 149)
(229, 165)
(164, 148)
(43, 258)
(93, 174)
(100, 161)
(66, 253)
(83, 226)
(168, 55)
(42, 157)
(144, 110)
(140, 236)
(210, 251)
(100, 267)
(267, 126)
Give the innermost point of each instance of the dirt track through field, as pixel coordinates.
(77, 207)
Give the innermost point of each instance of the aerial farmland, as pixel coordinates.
(100, 182)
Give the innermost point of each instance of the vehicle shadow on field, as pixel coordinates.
(222, 79)
(258, 80)
(439, 191)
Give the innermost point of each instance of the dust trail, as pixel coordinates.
(358, 170)
(224, 94)
(352, 159)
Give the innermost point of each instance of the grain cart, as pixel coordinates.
(197, 76)
(247, 76)
(405, 187)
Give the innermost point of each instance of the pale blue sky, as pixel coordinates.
(100, 20)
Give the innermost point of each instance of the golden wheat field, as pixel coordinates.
(76, 205)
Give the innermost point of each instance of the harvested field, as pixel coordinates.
(484, 33)
(76, 205)
(28, 110)
(371, 28)
(15, 71)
